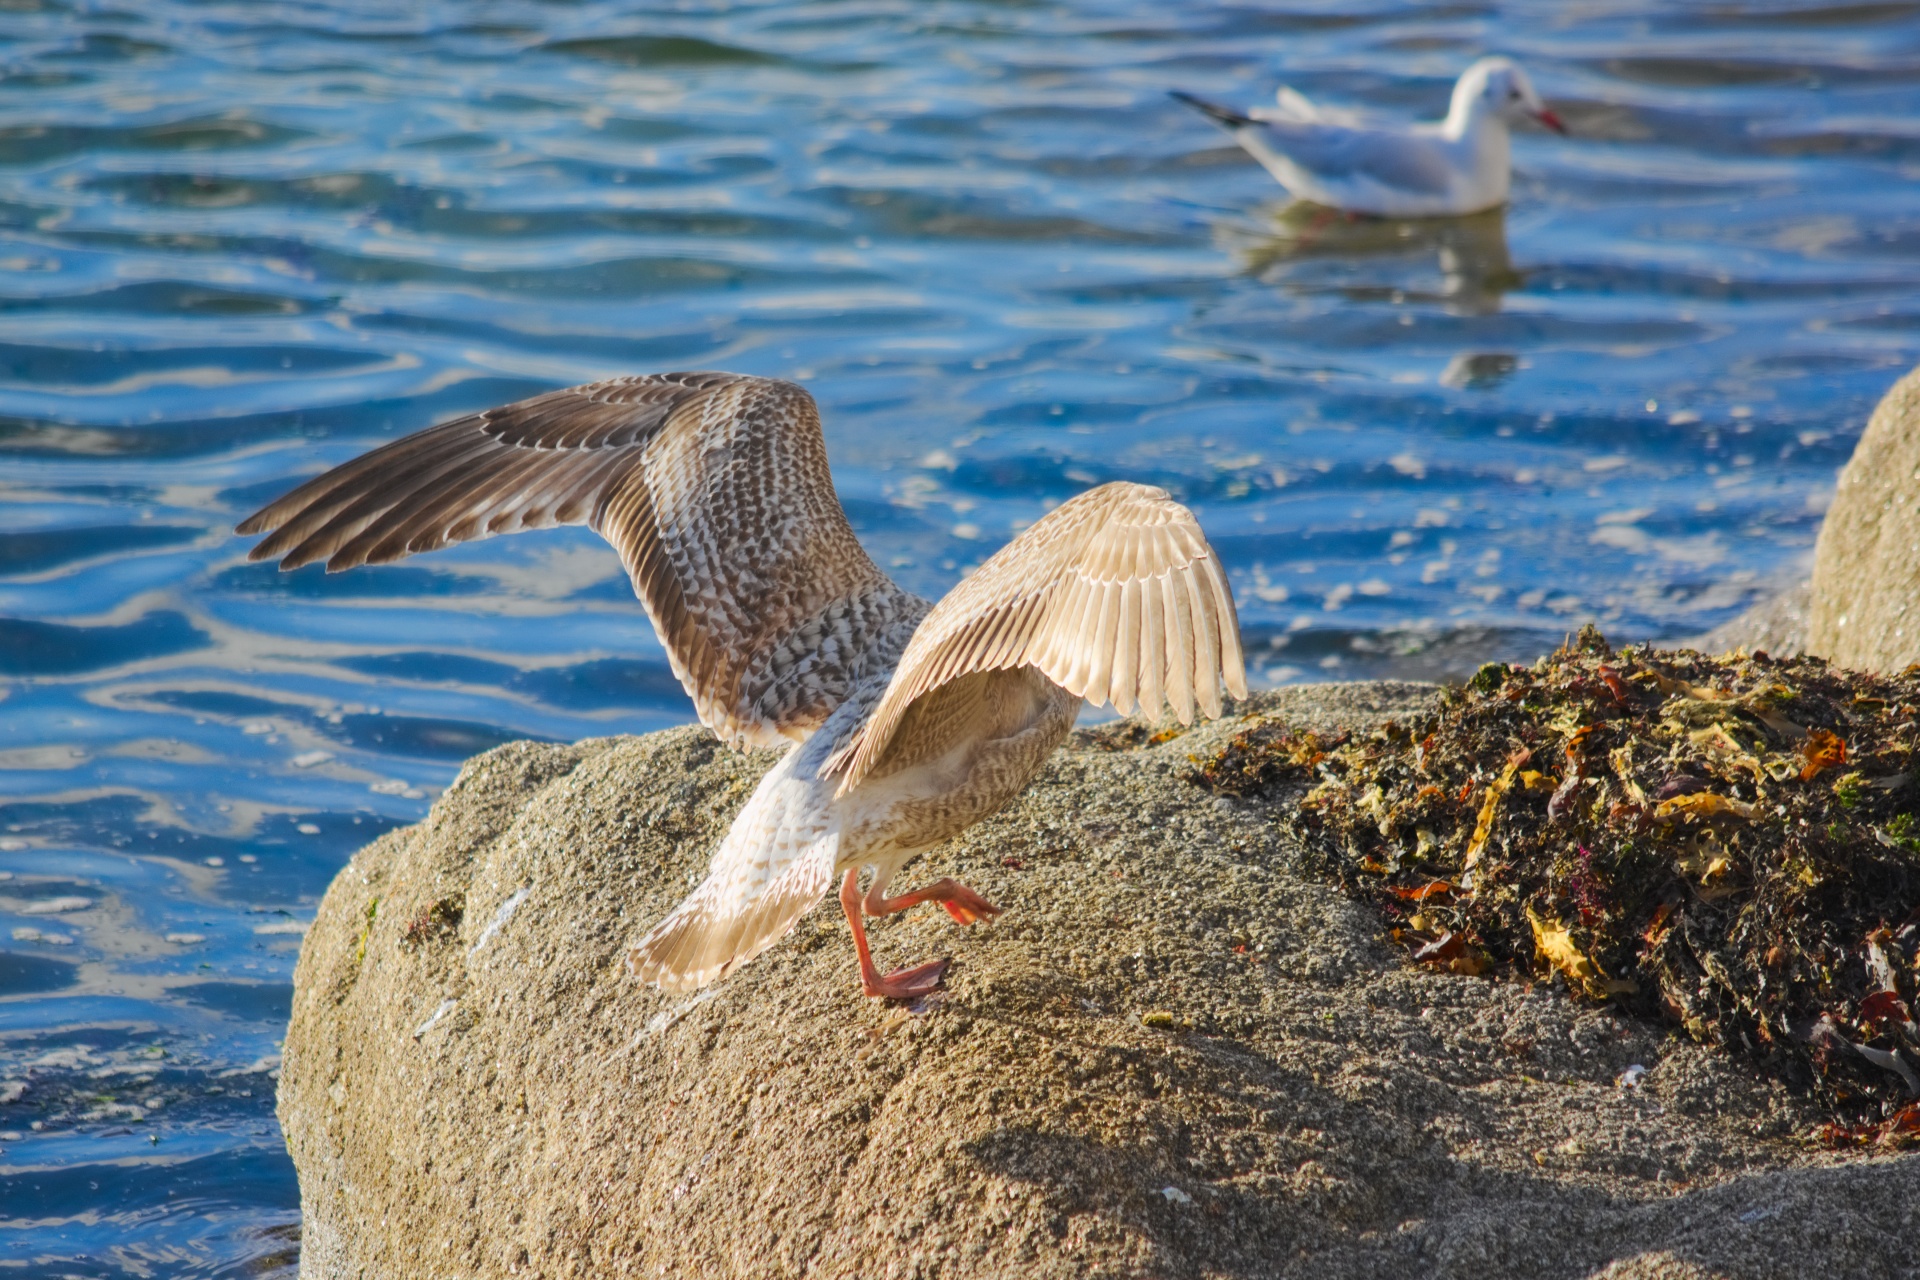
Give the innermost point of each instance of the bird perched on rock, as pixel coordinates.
(908, 721)
(1458, 165)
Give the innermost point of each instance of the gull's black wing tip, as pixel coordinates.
(1226, 117)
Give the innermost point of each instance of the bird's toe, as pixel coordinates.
(911, 983)
(967, 907)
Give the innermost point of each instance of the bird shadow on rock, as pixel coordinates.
(1138, 1208)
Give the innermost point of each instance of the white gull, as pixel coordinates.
(1442, 168)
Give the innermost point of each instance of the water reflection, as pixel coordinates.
(1460, 264)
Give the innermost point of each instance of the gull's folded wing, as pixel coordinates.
(1114, 595)
(714, 489)
(1407, 162)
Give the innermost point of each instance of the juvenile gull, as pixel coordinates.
(909, 721)
(1440, 169)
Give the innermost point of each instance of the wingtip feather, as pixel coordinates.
(1226, 117)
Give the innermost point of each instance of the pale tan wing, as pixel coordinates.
(1114, 595)
(736, 913)
(714, 489)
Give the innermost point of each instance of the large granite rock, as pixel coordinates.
(1177, 1054)
(1865, 608)
(1775, 625)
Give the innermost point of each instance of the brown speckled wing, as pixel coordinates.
(714, 489)
(1114, 595)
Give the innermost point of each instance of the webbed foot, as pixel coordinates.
(910, 983)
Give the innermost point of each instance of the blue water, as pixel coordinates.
(243, 241)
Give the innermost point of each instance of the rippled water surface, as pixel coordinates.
(243, 241)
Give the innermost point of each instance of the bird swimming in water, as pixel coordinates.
(906, 722)
(1443, 168)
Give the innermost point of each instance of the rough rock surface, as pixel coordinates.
(1175, 1055)
(1865, 608)
(1776, 625)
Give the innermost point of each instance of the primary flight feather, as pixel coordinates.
(908, 721)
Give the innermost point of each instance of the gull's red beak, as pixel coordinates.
(1552, 121)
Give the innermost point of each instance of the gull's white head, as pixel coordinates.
(1496, 88)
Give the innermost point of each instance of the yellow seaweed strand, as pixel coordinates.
(1488, 808)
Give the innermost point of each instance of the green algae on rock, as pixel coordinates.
(1730, 843)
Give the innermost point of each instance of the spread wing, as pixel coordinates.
(1112, 595)
(714, 489)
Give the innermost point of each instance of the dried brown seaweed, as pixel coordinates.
(1729, 843)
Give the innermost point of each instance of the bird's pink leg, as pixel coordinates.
(962, 903)
(901, 984)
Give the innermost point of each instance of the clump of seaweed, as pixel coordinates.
(1729, 843)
